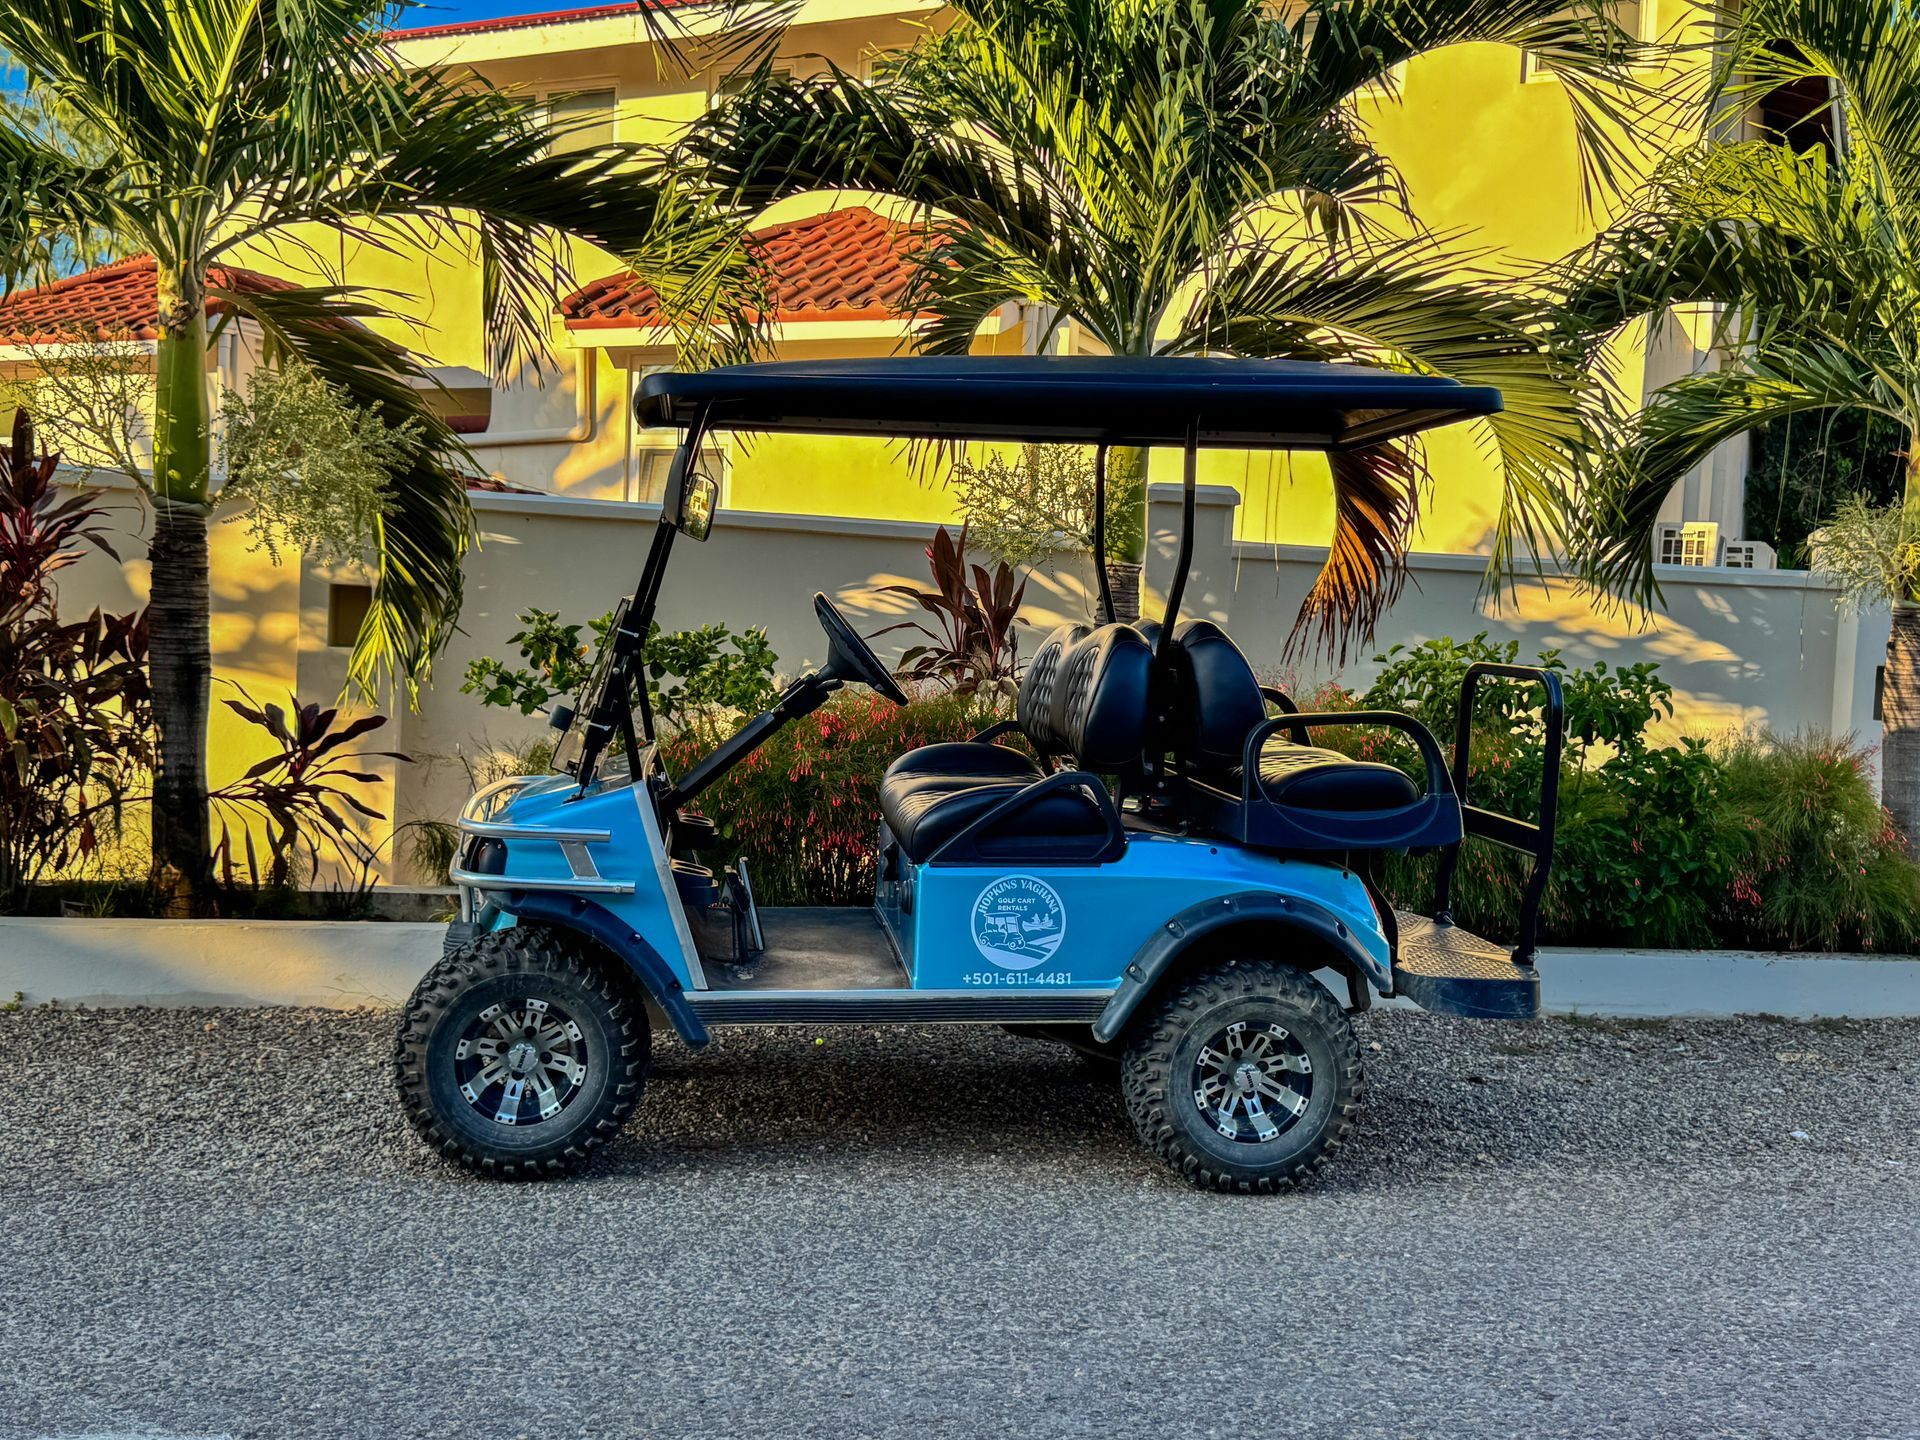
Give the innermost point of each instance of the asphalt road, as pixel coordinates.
(215, 1224)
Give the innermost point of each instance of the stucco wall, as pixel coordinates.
(1767, 648)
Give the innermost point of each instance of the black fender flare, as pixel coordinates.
(1257, 908)
(597, 923)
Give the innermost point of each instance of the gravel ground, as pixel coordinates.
(216, 1224)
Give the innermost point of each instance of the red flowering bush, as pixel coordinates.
(804, 808)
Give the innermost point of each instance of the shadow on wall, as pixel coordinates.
(1742, 648)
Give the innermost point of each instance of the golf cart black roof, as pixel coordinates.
(1072, 399)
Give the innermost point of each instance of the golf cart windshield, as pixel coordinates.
(1186, 401)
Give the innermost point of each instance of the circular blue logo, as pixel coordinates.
(1018, 922)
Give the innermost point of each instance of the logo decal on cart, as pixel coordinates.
(1018, 922)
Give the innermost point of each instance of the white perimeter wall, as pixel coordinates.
(1741, 647)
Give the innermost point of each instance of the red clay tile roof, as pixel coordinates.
(847, 264)
(112, 302)
(523, 22)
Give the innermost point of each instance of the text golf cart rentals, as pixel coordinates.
(1156, 872)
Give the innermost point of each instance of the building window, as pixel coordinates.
(1624, 13)
(587, 117)
(1799, 114)
(347, 607)
(728, 85)
(655, 467)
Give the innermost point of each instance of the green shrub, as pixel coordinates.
(1763, 841)
(805, 807)
(690, 673)
(1825, 868)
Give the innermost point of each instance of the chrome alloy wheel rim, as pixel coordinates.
(1252, 1082)
(521, 1062)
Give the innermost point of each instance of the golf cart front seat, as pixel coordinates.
(1300, 796)
(1084, 696)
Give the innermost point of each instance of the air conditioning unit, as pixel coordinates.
(1748, 555)
(1694, 542)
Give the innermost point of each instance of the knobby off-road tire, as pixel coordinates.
(510, 988)
(1251, 1018)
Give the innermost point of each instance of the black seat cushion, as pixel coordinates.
(1101, 699)
(924, 811)
(1033, 705)
(1216, 699)
(982, 760)
(1316, 779)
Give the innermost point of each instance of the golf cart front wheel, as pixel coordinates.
(1243, 1076)
(521, 1053)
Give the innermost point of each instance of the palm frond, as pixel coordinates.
(47, 199)
(1681, 426)
(474, 162)
(1376, 504)
(420, 541)
(1863, 64)
(1418, 304)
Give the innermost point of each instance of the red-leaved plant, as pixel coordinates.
(75, 717)
(973, 643)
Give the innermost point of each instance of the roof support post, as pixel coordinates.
(1183, 556)
(1100, 533)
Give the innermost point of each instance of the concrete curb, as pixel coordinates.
(338, 964)
(1729, 982)
(344, 964)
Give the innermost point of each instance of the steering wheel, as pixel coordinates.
(851, 658)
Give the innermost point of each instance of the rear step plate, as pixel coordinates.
(1451, 971)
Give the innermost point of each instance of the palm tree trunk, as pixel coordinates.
(1127, 543)
(180, 656)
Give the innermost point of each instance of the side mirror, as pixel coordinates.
(696, 507)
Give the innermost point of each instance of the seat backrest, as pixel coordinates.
(1216, 699)
(1033, 707)
(1101, 697)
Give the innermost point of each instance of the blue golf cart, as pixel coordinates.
(1161, 869)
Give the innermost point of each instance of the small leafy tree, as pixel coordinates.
(1870, 552)
(92, 403)
(1020, 510)
(314, 470)
(690, 674)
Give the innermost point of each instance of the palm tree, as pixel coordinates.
(1813, 253)
(1176, 176)
(217, 124)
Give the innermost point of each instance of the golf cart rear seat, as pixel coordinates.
(1258, 781)
(1085, 698)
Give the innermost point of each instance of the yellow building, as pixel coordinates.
(1483, 137)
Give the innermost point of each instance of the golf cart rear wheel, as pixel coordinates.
(1243, 1076)
(522, 1052)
